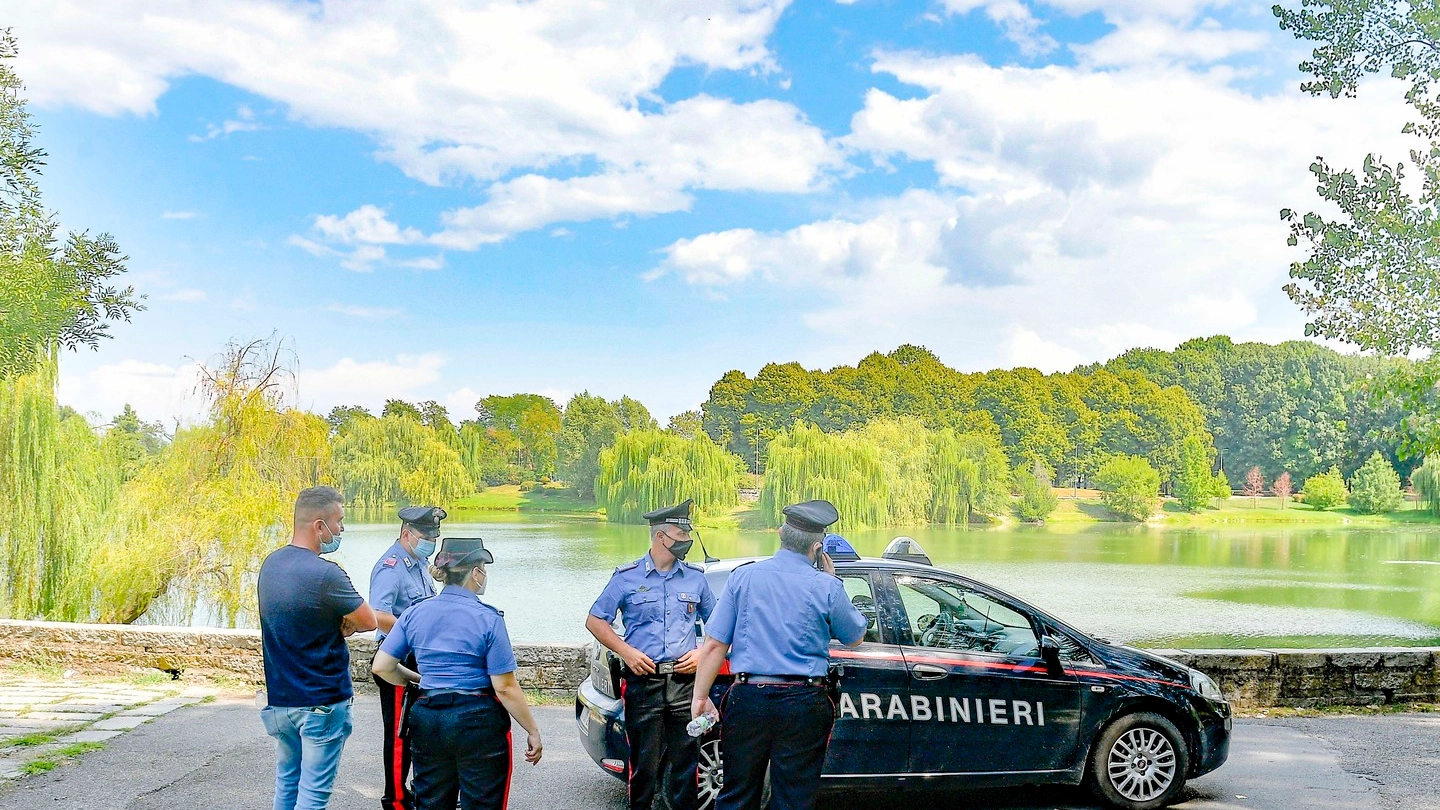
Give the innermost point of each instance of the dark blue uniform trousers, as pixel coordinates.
(657, 709)
(394, 751)
(785, 727)
(461, 750)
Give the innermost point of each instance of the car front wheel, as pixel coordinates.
(710, 776)
(1139, 762)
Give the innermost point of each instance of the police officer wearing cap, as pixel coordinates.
(775, 620)
(459, 727)
(400, 578)
(662, 599)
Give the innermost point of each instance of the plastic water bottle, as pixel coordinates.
(702, 724)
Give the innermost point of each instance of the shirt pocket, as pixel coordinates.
(642, 607)
(689, 604)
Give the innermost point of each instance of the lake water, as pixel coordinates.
(1228, 587)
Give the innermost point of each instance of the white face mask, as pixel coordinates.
(484, 580)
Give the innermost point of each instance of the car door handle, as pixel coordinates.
(928, 672)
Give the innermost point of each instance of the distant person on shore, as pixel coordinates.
(663, 600)
(400, 578)
(307, 608)
(459, 728)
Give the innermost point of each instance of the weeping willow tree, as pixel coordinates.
(646, 469)
(395, 460)
(968, 475)
(847, 469)
(198, 521)
(1426, 479)
(891, 472)
(56, 478)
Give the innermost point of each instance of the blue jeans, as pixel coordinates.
(308, 742)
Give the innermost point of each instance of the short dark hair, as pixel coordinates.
(456, 576)
(799, 540)
(312, 504)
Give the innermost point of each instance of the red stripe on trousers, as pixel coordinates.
(509, 767)
(398, 750)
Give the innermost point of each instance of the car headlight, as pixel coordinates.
(1205, 685)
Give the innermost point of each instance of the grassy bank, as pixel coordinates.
(509, 498)
(1269, 511)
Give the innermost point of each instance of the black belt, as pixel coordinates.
(661, 668)
(486, 692)
(779, 680)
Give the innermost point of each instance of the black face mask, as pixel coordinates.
(681, 548)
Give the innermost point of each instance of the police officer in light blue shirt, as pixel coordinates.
(663, 600)
(775, 620)
(459, 728)
(400, 578)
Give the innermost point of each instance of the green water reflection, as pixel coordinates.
(1190, 588)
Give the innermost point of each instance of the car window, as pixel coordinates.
(857, 588)
(947, 616)
(1072, 651)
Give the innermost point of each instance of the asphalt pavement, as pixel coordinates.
(216, 756)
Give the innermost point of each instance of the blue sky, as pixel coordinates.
(436, 200)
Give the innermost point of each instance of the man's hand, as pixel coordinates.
(687, 663)
(638, 662)
(702, 704)
(826, 564)
(533, 748)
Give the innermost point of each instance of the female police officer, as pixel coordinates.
(459, 729)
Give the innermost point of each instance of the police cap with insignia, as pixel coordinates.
(458, 552)
(811, 516)
(678, 515)
(423, 519)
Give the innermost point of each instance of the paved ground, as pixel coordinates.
(42, 720)
(216, 756)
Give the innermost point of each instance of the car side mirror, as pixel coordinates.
(1050, 653)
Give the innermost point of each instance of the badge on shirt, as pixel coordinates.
(689, 599)
(390, 562)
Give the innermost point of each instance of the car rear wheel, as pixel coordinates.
(1139, 762)
(711, 776)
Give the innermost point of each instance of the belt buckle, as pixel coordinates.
(665, 668)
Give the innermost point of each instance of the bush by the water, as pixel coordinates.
(1037, 497)
(1129, 486)
(1375, 487)
(1194, 485)
(1326, 489)
(647, 469)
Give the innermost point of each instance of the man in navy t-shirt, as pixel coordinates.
(307, 608)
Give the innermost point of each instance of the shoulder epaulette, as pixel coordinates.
(389, 562)
(498, 611)
(627, 567)
(696, 566)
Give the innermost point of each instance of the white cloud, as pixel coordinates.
(1150, 41)
(367, 224)
(179, 215)
(243, 122)
(1081, 209)
(367, 383)
(1014, 19)
(455, 92)
(1029, 350)
(157, 391)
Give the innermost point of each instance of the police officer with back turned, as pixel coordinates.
(459, 728)
(662, 599)
(775, 619)
(400, 578)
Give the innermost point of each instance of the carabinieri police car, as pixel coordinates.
(959, 685)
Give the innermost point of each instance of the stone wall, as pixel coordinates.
(1250, 678)
(552, 669)
(1306, 678)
